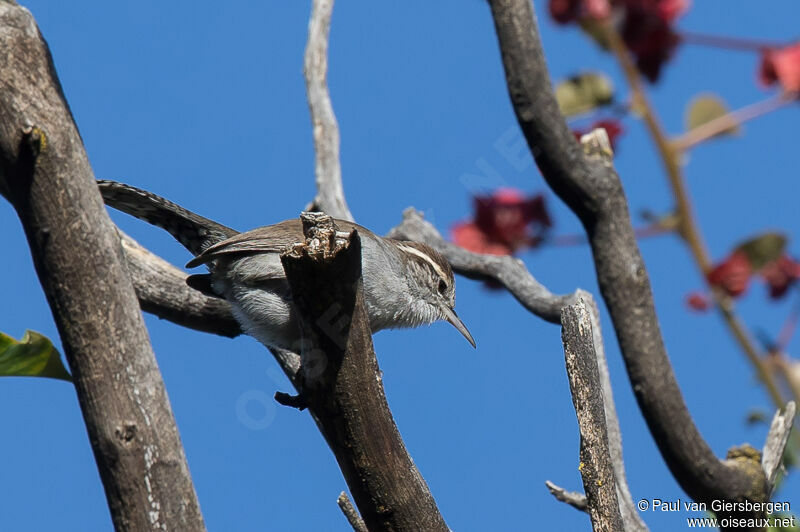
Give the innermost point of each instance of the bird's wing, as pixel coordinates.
(269, 239)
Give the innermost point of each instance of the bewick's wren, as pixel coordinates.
(406, 284)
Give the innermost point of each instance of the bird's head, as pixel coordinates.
(432, 285)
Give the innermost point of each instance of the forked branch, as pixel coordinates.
(587, 182)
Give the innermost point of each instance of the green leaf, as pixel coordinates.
(763, 249)
(583, 93)
(703, 109)
(33, 356)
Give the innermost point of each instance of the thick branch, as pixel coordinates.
(630, 515)
(591, 188)
(508, 271)
(46, 175)
(631, 519)
(341, 383)
(587, 397)
(687, 227)
(330, 192)
(162, 290)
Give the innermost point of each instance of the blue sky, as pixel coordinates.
(204, 103)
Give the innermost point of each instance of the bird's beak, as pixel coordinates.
(455, 321)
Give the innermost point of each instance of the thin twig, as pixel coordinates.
(688, 228)
(581, 239)
(351, 513)
(788, 329)
(723, 123)
(784, 367)
(730, 43)
(573, 498)
(330, 192)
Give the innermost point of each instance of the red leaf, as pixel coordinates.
(780, 274)
(698, 301)
(732, 275)
(781, 65)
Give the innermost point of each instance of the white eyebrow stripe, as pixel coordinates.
(426, 258)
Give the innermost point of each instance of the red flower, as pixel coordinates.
(780, 274)
(597, 9)
(732, 275)
(666, 10)
(649, 37)
(613, 128)
(504, 222)
(469, 236)
(566, 11)
(645, 25)
(781, 66)
(698, 301)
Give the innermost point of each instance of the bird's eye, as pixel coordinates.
(442, 286)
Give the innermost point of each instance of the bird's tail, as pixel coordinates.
(195, 232)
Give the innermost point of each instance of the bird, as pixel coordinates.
(406, 283)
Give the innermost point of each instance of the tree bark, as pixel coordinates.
(45, 174)
(340, 382)
(589, 185)
(597, 470)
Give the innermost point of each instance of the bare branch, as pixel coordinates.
(162, 290)
(777, 438)
(508, 271)
(573, 498)
(589, 185)
(47, 177)
(584, 381)
(350, 513)
(330, 192)
(630, 516)
(731, 120)
(341, 383)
